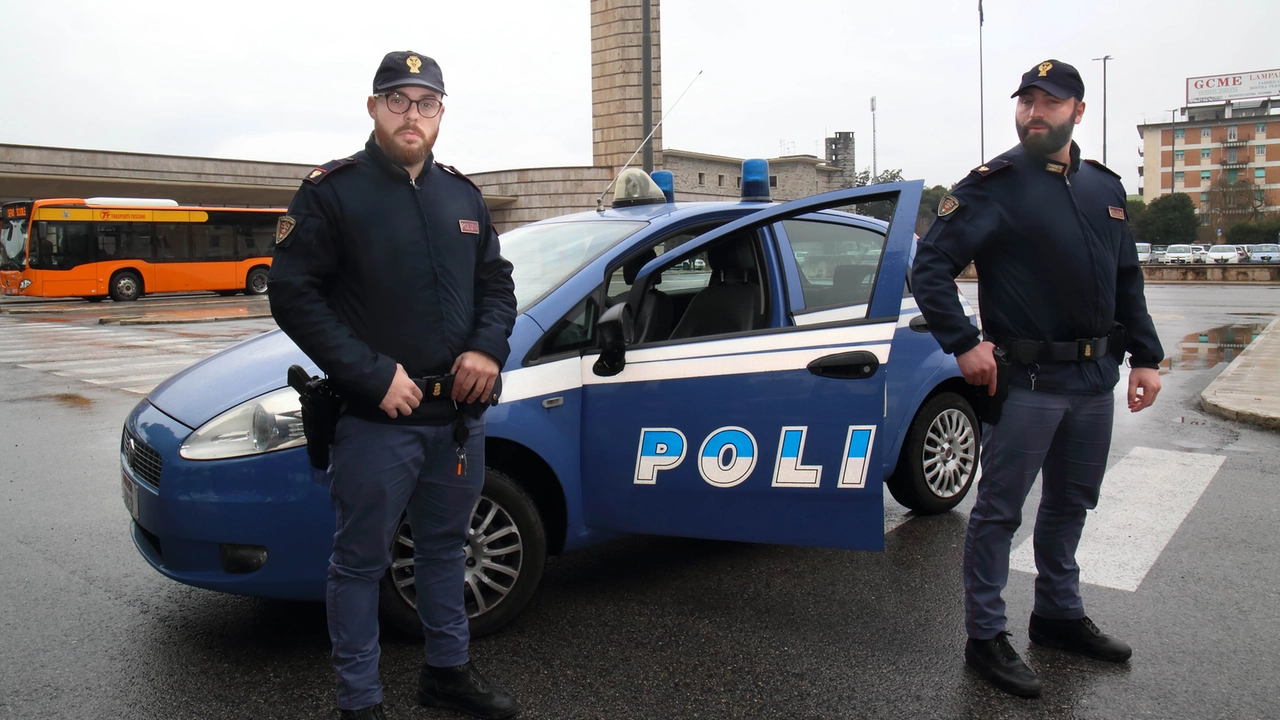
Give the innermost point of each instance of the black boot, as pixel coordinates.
(1080, 636)
(373, 712)
(998, 662)
(464, 688)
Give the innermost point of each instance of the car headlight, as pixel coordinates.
(266, 423)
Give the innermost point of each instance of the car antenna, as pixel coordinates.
(667, 114)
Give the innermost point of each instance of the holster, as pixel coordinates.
(322, 405)
(990, 407)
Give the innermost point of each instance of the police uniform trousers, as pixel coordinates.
(1067, 438)
(379, 471)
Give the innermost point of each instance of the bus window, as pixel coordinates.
(172, 242)
(64, 246)
(124, 241)
(255, 240)
(212, 242)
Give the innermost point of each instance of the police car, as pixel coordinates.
(767, 396)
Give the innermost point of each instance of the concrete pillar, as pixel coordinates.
(616, 87)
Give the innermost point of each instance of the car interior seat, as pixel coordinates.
(653, 317)
(733, 301)
(849, 286)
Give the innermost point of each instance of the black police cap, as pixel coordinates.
(399, 69)
(1054, 77)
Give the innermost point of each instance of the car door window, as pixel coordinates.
(837, 263)
(576, 331)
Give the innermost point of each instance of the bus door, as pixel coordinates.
(213, 252)
(175, 271)
(125, 246)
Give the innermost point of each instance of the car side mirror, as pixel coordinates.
(42, 230)
(614, 329)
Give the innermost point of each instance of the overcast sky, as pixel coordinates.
(287, 81)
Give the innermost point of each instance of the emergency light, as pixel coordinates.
(667, 181)
(636, 188)
(755, 180)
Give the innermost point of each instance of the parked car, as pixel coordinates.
(1144, 252)
(1266, 254)
(1180, 254)
(1201, 253)
(1224, 254)
(1157, 253)
(768, 401)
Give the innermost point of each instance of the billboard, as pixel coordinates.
(1233, 86)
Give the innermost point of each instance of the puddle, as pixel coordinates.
(1207, 348)
(73, 400)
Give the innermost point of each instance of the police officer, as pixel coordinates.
(387, 271)
(1061, 302)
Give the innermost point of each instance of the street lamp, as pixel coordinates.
(1104, 60)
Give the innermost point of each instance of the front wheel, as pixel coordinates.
(939, 457)
(125, 285)
(505, 554)
(256, 282)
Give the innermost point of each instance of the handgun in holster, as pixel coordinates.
(321, 406)
(990, 407)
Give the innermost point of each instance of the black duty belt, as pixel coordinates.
(1026, 352)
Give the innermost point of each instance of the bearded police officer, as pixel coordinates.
(1061, 302)
(387, 274)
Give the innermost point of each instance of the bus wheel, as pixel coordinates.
(95, 298)
(125, 285)
(256, 282)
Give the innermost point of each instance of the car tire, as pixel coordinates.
(503, 504)
(255, 283)
(940, 455)
(125, 286)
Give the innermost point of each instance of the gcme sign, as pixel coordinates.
(1236, 86)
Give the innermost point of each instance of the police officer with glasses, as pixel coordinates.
(1061, 302)
(387, 274)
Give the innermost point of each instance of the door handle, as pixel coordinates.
(919, 324)
(857, 365)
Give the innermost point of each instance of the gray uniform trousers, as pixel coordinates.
(1068, 437)
(379, 471)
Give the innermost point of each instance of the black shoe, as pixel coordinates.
(1080, 636)
(464, 688)
(373, 712)
(998, 662)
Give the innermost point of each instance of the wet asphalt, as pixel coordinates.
(653, 627)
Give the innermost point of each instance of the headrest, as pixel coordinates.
(635, 264)
(848, 275)
(732, 255)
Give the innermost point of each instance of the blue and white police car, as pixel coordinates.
(766, 393)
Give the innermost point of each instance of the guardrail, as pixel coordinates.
(1210, 273)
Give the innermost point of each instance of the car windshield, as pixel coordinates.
(546, 254)
(1223, 249)
(1144, 247)
(1266, 248)
(13, 239)
(1179, 248)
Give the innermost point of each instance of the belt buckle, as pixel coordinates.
(435, 390)
(1086, 347)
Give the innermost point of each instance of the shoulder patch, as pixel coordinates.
(948, 205)
(1104, 168)
(316, 176)
(991, 167)
(284, 226)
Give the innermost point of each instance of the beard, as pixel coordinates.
(1046, 143)
(400, 152)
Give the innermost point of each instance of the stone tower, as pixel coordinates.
(617, 121)
(840, 154)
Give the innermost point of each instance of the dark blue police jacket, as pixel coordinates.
(374, 268)
(1055, 260)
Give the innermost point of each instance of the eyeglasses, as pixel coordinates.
(428, 107)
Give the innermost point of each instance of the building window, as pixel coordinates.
(1179, 133)
(1232, 155)
(1231, 176)
(1259, 150)
(702, 177)
(1204, 154)
(1204, 197)
(1178, 176)
(1205, 132)
(1258, 173)
(1177, 154)
(773, 181)
(1204, 174)
(1232, 135)
(719, 179)
(737, 183)
(1260, 128)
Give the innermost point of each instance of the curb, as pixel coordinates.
(1269, 418)
(136, 320)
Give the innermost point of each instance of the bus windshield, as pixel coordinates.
(13, 241)
(545, 255)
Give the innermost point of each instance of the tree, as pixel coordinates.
(1169, 220)
(929, 202)
(1231, 204)
(882, 209)
(1254, 233)
(1135, 208)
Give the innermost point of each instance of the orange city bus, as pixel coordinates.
(123, 248)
